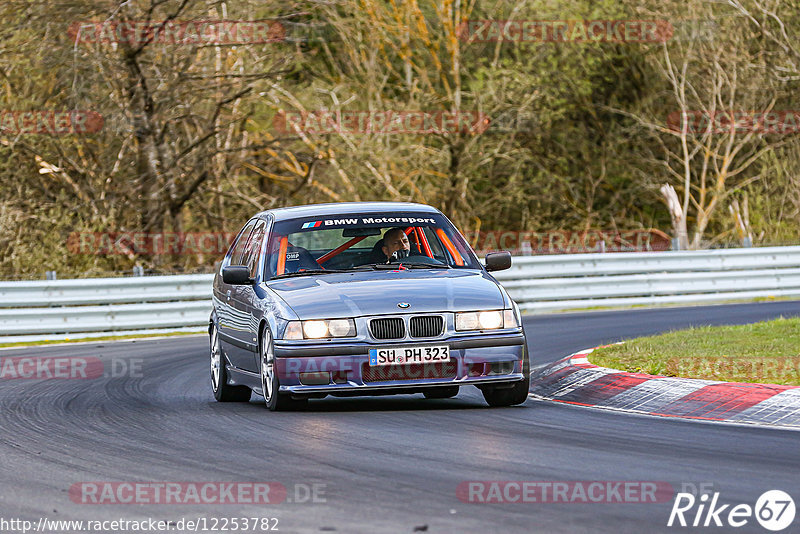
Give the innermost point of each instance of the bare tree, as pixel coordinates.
(176, 106)
(715, 135)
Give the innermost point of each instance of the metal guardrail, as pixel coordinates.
(580, 281)
(67, 309)
(45, 293)
(58, 309)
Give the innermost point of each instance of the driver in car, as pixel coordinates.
(395, 244)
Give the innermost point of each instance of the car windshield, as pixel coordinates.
(357, 241)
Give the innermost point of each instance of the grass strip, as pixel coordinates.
(92, 339)
(766, 352)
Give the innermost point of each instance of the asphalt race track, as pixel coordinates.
(383, 464)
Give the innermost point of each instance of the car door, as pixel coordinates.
(233, 326)
(244, 300)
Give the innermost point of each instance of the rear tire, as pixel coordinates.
(270, 383)
(445, 392)
(223, 392)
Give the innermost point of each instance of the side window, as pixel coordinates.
(251, 253)
(241, 244)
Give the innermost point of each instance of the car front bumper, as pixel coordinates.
(332, 367)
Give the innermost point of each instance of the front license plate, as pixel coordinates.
(412, 354)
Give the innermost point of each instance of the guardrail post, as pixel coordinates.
(138, 270)
(50, 275)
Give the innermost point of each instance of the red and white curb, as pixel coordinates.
(573, 380)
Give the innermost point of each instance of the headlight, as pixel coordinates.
(341, 327)
(315, 329)
(486, 320)
(319, 329)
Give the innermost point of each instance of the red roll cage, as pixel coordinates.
(419, 239)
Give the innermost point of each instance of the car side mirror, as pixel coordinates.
(238, 275)
(497, 261)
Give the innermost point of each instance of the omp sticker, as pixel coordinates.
(292, 256)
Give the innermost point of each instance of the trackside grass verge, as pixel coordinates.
(765, 352)
(93, 339)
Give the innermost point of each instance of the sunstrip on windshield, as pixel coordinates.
(361, 221)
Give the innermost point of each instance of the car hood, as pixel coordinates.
(379, 292)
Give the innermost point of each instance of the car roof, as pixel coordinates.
(320, 210)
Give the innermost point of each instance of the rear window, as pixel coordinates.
(328, 239)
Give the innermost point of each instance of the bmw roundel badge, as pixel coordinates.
(403, 305)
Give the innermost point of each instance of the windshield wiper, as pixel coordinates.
(425, 266)
(308, 271)
(375, 267)
(396, 266)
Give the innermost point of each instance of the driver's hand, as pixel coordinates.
(398, 255)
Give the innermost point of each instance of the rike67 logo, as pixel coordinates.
(774, 510)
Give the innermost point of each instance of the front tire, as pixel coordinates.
(270, 383)
(223, 392)
(516, 394)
